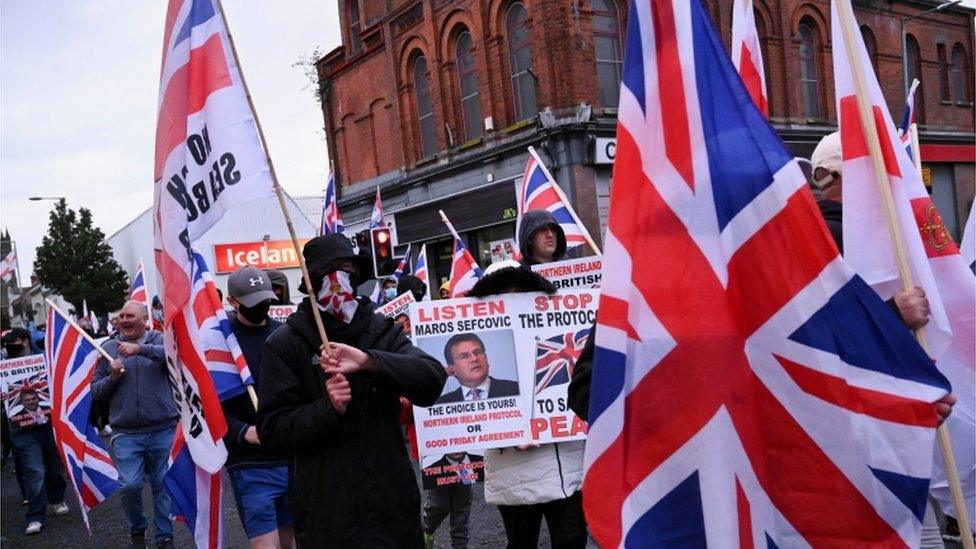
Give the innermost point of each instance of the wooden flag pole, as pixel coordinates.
(562, 196)
(450, 227)
(891, 215)
(316, 314)
(83, 333)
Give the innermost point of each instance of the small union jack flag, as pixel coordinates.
(556, 357)
(71, 361)
(331, 222)
(377, 219)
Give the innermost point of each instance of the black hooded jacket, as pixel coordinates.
(350, 480)
(833, 214)
(532, 221)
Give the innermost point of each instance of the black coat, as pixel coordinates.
(497, 388)
(351, 482)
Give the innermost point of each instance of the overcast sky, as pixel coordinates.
(78, 89)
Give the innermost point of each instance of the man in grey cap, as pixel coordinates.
(258, 475)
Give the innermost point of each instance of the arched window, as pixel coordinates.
(809, 80)
(425, 107)
(468, 84)
(606, 47)
(871, 45)
(520, 62)
(913, 64)
(960, 91)
(355, 43)
(943, 72)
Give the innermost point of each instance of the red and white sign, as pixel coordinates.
(274, 254)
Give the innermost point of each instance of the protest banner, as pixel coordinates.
(18, 375)
(552, 330)
(281, 312)
(449, 469)
(398, 306)
(586, 272)
(486, 402)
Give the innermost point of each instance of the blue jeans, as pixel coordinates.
(37, 455)
(138, 455)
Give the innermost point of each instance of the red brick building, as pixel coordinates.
(435, 101)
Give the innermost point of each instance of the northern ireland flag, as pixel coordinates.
(747, 53)
(933, 258)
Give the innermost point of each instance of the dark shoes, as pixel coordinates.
(139, 539)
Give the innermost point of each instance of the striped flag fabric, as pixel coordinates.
(8, 267)
(933, 258)
(197, 496)
(71, 360)
(747, 53)
(813, 416)
(377, 219)
(908, 120)
(140, 292)
(420, 270)
(209, 158)
(967, 247)
(331, 222)
(539, 191)
(465, 271)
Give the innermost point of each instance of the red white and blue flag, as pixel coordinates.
(140, 292)
(8, 267)
(420, 271)
(908, 120)
(556, 357)
(209, 158)
(196, 495)
(331, 222)
(932, 256)
(71, 361)
(747, 53)
(540, 192)
(748, 388)
(377, 219)
(465, 271)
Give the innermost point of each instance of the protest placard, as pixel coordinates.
(18, 378)
(398, 305)
(486, 402)
(586, 272)
(448, 469)
(553, 330)
(281, 312)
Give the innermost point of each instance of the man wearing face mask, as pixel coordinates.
(334, 412)
(258, 475)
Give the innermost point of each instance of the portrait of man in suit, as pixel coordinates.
(467, 361)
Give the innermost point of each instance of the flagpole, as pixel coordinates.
(562, 196)
(450, 226)
(83, 333)
(891, 215)
(316, 314)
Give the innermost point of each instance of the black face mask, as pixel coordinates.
(14, 349)
(256, 314)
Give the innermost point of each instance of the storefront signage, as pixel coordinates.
(604, 150)
(273, 254)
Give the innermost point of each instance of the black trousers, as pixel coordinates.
(564, 517)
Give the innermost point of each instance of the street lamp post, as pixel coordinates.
(39, 198)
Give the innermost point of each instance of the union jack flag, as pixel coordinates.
(555, 358)
(908, 120)
(196, 495)
(140, 292)
(747, 53)
(71, 361)
(209, 158)
(465, 271)
(331, 222)
(540, 192)
(811, 420)
(420, 270)
(377, 219)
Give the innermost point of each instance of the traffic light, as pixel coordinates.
(382, 248)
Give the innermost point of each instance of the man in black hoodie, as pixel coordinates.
(334, 412)
(541, 239)
(258, 475)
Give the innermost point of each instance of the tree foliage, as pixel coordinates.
(75, 261)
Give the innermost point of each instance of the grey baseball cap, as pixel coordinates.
(250, 286)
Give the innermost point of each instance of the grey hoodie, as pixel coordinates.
(141, 401)
(532, 221)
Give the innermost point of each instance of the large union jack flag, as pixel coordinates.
(748, 388)
(555, 358)
(71, 361)
(540, 192)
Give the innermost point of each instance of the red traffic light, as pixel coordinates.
(382, 250)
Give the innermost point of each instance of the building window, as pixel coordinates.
(355, 43)
(809, 82)
(871, 45)
(960, 91)
(425, 107)
(943, 73)
(520, 62)
(606, 46)
(468, 84)
(913, 63)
